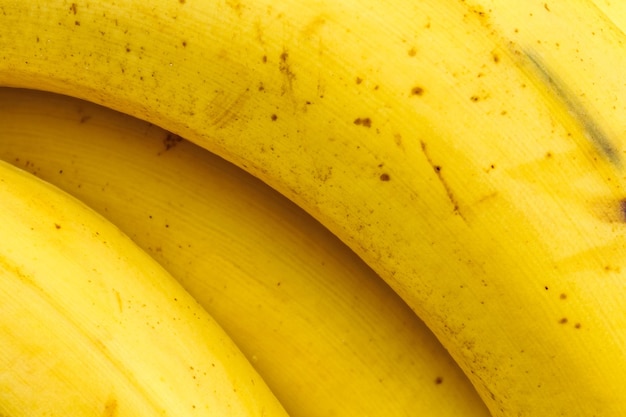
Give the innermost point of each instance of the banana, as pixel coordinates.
(614, 12)
(469, 151)
(92, 325)
(325, 333)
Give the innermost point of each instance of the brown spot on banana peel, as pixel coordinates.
(609, 210)
(437, 169)
(285, 68)
(171, 140)
(110, 407)
(365, 122)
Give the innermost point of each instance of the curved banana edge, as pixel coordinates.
(325, 333)
(419, 134)
(91, 325)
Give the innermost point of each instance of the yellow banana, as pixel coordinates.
(92, 325)
(615, 11)
(326, 334)
(469, 151)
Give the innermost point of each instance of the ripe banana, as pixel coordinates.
(469, 151)
(326, 334)
(92, 325)
(614, 11)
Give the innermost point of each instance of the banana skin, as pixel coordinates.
(413, 133)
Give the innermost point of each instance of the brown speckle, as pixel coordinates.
(577, 326)
(444, 183)
(474, 98)
(74, 8)
(184, 44)
(359, 80)
(264, 59)
(274, 117)
(563, 320)
(385, 177)
(495, 57)
(365, 122)
(417, 91)
(110, 408)
(545, 6)
(412, 52)
(181, 1)
(285, 68)
(171, 140)
(57, 226)
(284, 56)
(439, 380)
(563, 296)
(77, 23)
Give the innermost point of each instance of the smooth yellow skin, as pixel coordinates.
(421, 134)
(327, 335)
(92, 325)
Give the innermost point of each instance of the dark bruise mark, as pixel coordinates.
(438, 169)
(622, 209)
(74, 8)
(365, 122)
(385, 177)
(592, 131)
(609, 210)
(171, 140)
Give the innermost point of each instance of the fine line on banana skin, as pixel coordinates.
(592, 130)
